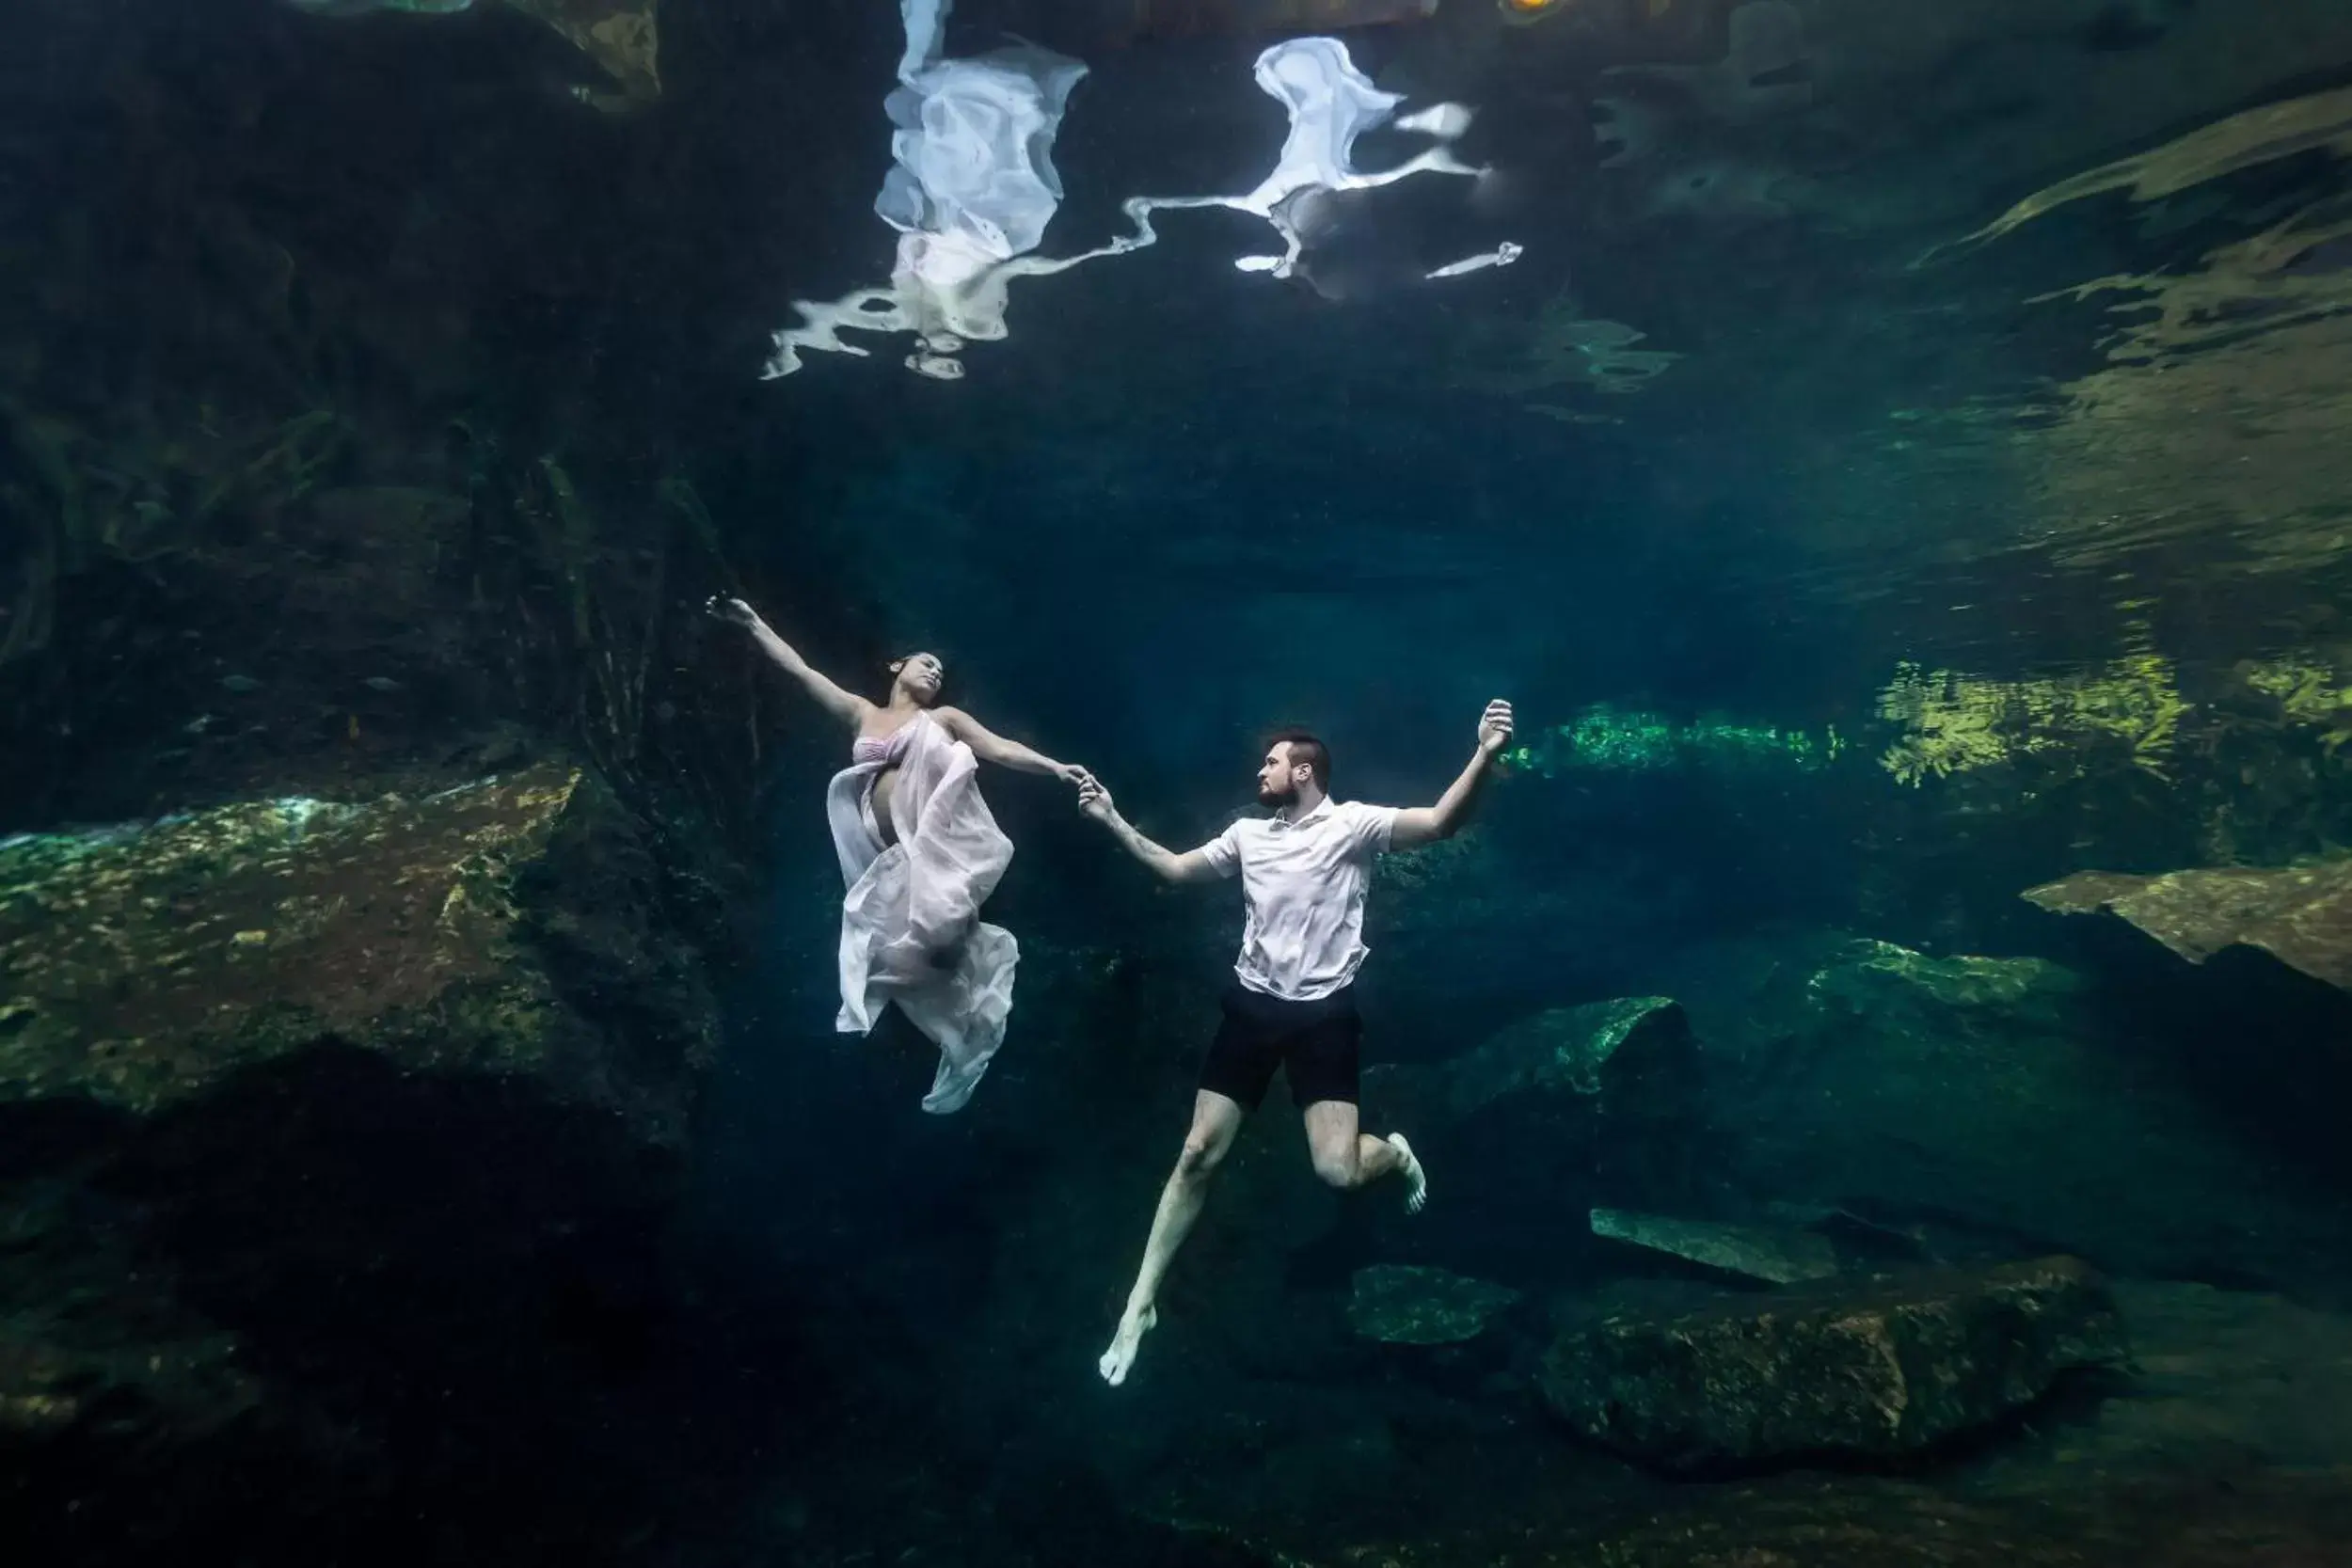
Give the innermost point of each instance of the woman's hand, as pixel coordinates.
(1071, 773)
(733, 612)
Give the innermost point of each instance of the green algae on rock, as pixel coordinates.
(1396, 1305)
(1632, 740)
(1878, 1372)
(141, 966)
(2300, 915)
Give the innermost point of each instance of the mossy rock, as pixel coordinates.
(2300, 915)
(1879, 1372)
(1393, 1305)
(502, 927)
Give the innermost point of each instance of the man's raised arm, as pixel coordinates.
(1190, 867)
(1420, 825)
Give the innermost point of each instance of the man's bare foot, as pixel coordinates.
(1416, 1178)
(1129, 1339)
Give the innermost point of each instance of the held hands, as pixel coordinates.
(1094, 800)
(1071, 773)
(1494, 728)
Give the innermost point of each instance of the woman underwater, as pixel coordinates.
(919, 854)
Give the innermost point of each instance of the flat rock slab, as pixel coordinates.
(1774, 1254)
(1399, 1305)
(2300, 915)
(1876, 1371)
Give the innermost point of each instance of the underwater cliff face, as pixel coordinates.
(1876, 1048)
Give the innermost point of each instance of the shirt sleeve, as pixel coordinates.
(1223, 852)
(1371, 827)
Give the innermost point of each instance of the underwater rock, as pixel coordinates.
(1559, 1110)
(1983, 1096)
(489, 929)
(1400, 1305)
(69, 1367)
(1574, 1055)
(1873, 1372)
(2300, 915)
(333, 1138)
(1774, 1256)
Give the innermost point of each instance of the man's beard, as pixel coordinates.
(1277, 799)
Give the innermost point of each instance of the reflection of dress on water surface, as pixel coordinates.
(973, 185)
(911, 931)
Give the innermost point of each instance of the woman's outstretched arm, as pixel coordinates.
(991, 747)
(850, 710)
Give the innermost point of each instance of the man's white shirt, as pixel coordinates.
(1303, 882)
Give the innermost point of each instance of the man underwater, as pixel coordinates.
(1292, 1001)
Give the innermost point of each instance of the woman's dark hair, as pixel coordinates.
(1305, 747)
(901, 662)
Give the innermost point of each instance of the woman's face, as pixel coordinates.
(919, 676)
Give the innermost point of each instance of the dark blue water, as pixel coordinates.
(382, 404)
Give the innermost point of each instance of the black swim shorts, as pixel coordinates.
(1316, 1044)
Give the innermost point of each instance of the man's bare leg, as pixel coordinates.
(1347, 1157)
(1216, 1121)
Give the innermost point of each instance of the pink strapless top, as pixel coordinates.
(883, 748)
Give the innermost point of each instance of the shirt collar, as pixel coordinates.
(1321, 807)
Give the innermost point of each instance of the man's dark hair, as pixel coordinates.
(1305, 747)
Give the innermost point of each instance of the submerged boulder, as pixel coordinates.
(2300, 915)
(1395, 1304)
(93, 1342)
(332, 1136)
(1556, 1112)
(1568, 1092)
(1984, 1096)
(500, 928)
(1570, 1057)
(1876, 1371)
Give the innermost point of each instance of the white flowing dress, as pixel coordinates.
(911, 931)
